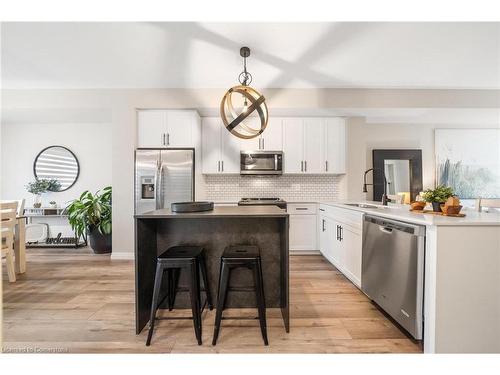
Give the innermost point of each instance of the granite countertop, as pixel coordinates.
(402, 213)
(218, 211)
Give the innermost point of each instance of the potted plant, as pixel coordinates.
(90, 216)
(437, 196)
(40, 186)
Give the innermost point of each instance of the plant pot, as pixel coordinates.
(100, 243)
(436, 206)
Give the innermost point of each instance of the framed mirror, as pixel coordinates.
(402, 169)
(57, 163)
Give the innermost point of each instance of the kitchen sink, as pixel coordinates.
(361, 205)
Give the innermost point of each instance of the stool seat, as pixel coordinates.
(181, 252)
(241, 252)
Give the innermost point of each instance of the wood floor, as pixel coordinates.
(77, 302)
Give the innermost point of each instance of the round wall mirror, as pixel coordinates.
(57, 163)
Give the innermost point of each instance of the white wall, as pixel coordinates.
(21, 143)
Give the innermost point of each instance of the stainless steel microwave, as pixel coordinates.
(261, 162)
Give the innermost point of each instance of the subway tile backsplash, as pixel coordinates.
(231, 188)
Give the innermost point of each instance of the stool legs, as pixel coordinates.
(194, 293)
(261, 302)
(208, 295)
(154, 302)
(221, 298)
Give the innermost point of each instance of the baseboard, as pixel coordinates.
(122, 256)
(305, 252)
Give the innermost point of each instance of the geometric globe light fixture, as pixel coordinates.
(242, 102)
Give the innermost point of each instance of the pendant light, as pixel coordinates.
(237, 122)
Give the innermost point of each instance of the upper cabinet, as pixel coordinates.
(270, 140)
(314, 145)
(167, 128)
(220, 149)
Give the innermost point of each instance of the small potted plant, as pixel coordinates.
(40, 186)
(437, 196)
(90, 215)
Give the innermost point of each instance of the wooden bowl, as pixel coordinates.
(451, 210)
(418, 206)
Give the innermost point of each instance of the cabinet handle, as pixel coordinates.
(341, 233)
(222, 165)
(326, 165)
(168, 139)
(302, 166)
(322, 209)
(301, 208)
(218, 165)
(305, 165)
(338, 230)
(163, 142)
(263, 143)
(323, 225)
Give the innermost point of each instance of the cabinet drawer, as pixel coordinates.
(301, 208)
(345, 216)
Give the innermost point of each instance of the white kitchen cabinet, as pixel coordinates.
(340, 236)
(303, 227)
(151, 128)
(270, 140)
(313, 145)
(352, 246)
(293, 145)
(334, 146)
(211, 145)
(272, 137)
(230, 152)
(159, 128)
(220, 149)
(181, 128)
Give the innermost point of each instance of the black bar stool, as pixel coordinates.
(190, 259)
(237, 257)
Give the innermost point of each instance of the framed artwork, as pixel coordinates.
(468, 160)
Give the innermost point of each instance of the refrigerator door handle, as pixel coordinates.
(158, 184)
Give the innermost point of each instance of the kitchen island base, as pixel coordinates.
(266, 228)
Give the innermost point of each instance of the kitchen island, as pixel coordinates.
(461, 278)
(264, 226)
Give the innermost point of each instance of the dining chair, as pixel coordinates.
(489, 203)
(8, 215)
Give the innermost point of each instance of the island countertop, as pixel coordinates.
(218, 211)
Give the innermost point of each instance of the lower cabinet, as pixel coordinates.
(302, 231)
(340, 237)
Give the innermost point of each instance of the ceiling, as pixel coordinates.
(298, 55)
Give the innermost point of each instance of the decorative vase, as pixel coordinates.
(436, 206)
(100, 243)
(37, 200)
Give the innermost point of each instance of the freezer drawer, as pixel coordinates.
(392, 270)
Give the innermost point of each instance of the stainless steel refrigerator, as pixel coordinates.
(163, 177)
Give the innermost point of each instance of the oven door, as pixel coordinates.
(261, 162)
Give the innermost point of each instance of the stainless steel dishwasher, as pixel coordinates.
(393, 270)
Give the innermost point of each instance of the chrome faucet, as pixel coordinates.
(385, 199)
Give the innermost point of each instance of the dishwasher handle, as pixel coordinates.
(387, 230)
(389, 225)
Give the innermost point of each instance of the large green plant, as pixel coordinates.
(91, 211)
(440, 194)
